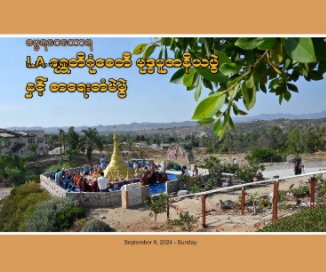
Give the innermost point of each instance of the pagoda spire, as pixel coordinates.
(117, 168)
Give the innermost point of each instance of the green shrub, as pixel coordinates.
(185, 221)
(20, 205)
(78, 224)
(301, 191)
(55, 215)
(158, 204)
(60, 165)
(182, 182)
(212, 182)
(308, 220)
(251, 198)
(282, 196)
(215, 169)
(260, 155)
(95, 225)
(26, 189)
(230, 168)
(33, 178)
(246, 173)
(285, 206)
(12, 170)
(66, 217)
(195, 189)
(321, 184)
(28, 206)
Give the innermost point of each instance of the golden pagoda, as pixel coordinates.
(117, 169)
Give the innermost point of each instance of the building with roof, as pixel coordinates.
(23, 143)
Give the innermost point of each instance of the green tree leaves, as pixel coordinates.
(177, 77)
(189, 78)
(206, 74)
(230, 68)
(198, 91)
(140, 48)
(149, 51)
(248, 43)
(249, 95)
(300, 49)
(209, 106)
(246, 66)
(253, 43)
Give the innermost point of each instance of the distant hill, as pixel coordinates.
(287, 116)
(246, 122)
(110, 128)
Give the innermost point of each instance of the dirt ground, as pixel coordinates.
(138, 220)
(217, 219)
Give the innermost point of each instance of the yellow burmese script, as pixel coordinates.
(147, 66)
(63, 65)
(103, 86)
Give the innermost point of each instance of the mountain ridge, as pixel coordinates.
(144, 126)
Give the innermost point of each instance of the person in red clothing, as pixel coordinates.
(79, 182)
(164, 177)
(94, 186)
(85, 186)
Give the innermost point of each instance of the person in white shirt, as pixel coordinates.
(102, 183)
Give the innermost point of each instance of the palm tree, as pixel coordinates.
(89, 141)
(72, 139)
(62, 140)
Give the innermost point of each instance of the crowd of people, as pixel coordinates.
(75, 181)
(92, 179)
(148, 177)
(87, 179)
(151, 175)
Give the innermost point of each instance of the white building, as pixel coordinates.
(154, 146)
(22, 143)
(141, 144)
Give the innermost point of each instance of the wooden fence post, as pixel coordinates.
(312, 192)
(275, 200)
(243, 200)
(168, 210)
(203, 210)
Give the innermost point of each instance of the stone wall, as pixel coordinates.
(51, 187)
(88, 199)
(97, 200)
(136, 195)
(172, 186)
(133, 195)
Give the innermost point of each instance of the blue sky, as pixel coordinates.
(151, 98)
